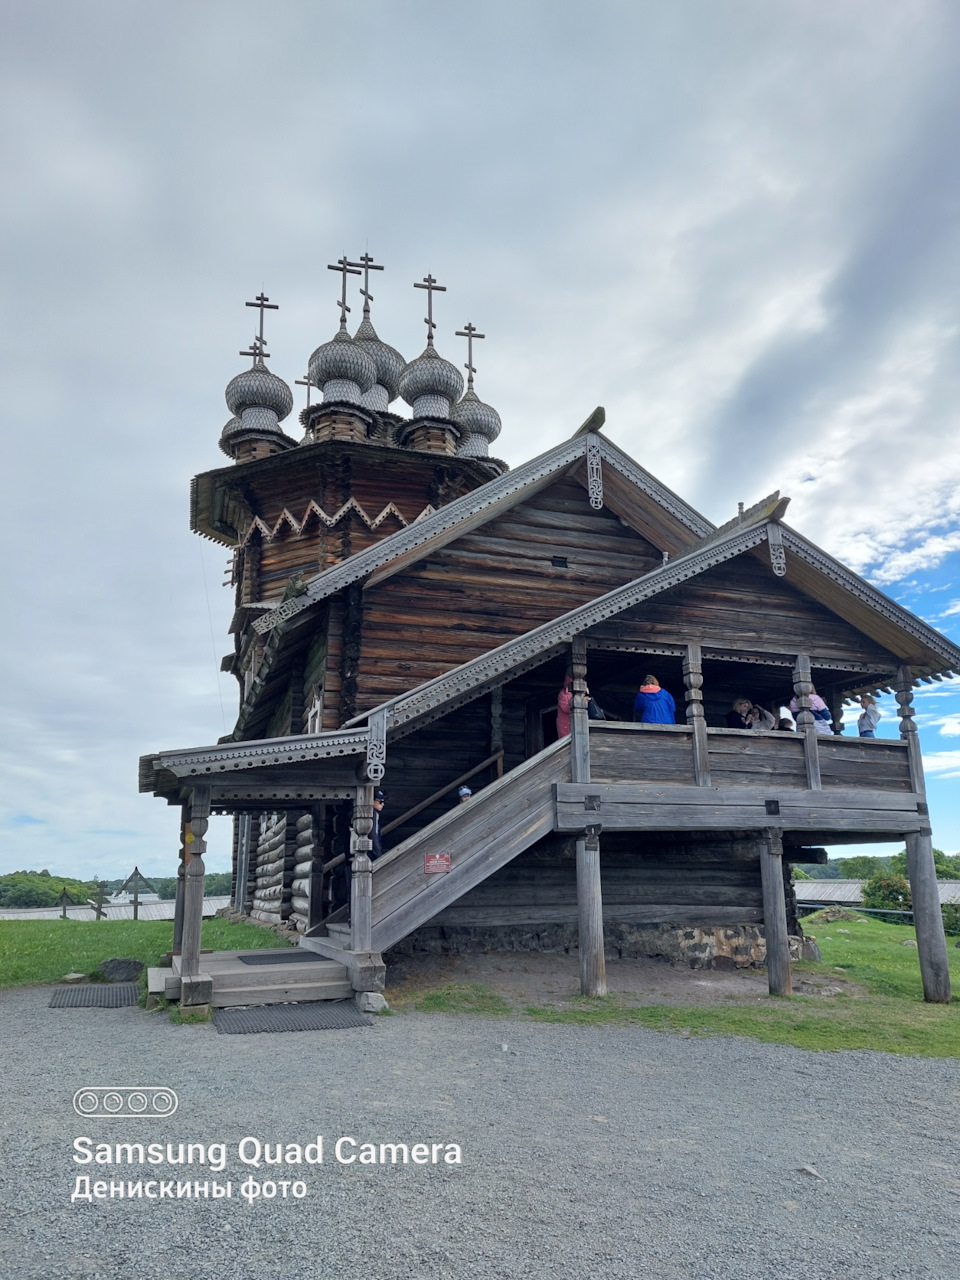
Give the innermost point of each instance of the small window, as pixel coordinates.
(559, 562)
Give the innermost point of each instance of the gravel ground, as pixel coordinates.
(608, 1153)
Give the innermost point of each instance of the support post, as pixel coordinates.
(579, 720)
(195, 989)
(593, 967)
(775, 914)
(496, 728)
(318, 829)
(240, 888)
(361, 880)
(693, 683)
(834, 701)
(803, 687)
(181, 882)
(593, 970)
(927, 915)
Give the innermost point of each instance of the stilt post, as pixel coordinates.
(195, 989)
(593, 969)
(927, 915)
(775, 914)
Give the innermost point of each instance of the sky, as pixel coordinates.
(735, 226)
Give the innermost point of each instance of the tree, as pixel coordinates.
(886, 890)
(861, 867)
(947, 867)
(800, 874)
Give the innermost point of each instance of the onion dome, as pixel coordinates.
(259, 401)
(431, 385)
(387, 361)
(342, 369)
(479, 422)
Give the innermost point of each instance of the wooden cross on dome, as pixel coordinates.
(431, 286)
(469, 331)
(305, 382)
(368, 265)
(257, 351)
(346, 269)
(263, 304)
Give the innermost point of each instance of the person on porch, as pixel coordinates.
(654, 705)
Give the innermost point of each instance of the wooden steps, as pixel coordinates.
(236, 983)
(496, 825)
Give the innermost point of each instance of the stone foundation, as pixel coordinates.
(699, 947)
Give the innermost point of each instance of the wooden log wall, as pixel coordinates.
(659, 879)
(545, 556)
(868, 763)
(308, 859)
(741, 605)
(647, 754)
(738, 758)
(275, 861)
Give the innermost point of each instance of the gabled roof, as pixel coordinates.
(629, 491)
(907, 637)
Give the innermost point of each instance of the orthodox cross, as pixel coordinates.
(99, 903)
(346, 269)
(263, 304)
(65, 900)
(305, 382)
(135, 883)
(256, 351)
(469, 331)
(431, 286)
(368, 265)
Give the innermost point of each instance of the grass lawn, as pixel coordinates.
(882, 1007)
(39, 951)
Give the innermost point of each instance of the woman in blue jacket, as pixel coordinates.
(654, 705)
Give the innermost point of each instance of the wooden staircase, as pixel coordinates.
(236, 983)
(480, 836)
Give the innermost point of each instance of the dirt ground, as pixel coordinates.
(551, 980)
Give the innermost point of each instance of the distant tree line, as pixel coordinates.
(863, 867)
(41, 889)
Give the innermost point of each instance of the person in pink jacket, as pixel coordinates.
(564, 703)
(821, 713)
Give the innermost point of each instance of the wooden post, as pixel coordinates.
(181, 881)
(361, 881)
(318, 826)
(693, 683)
(803, 687)
(834, 700)
(193, 888)
(496, 728)
(579, 720)
(593, 971)
(927, 915)
(593, 967)
(240, 888)
(775, 914)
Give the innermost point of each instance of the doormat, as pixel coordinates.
(294, 956)
(96, 995)
(311, 1015)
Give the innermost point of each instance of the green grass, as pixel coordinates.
(881, 1006)
(39, 951)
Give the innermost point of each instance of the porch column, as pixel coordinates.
(195, 989)
(927, 916)
(806, 726)
(593, 968)
(181, 881)
(775, 914)
(693, 683)
(361, 880)
(241, 887)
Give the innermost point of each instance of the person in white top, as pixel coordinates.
(822, 722)
(869, 718)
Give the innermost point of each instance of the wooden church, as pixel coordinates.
(407, 611)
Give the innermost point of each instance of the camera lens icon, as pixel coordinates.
(126, 1101)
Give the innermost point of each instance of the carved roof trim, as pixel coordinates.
(208, 763)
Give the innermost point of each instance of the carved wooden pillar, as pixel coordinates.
(579, 720)
(693, 683)
(181, 881)
(834, 701)
(195, 989)
(361, 882)
(593, 972)
(924, 890)
(806, 725)
(775, 914)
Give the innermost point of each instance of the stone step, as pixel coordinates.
(282, 993)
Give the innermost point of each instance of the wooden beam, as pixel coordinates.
(693, 683)
(775, 914)
(593, 971)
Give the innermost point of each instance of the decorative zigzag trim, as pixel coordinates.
(289, 521)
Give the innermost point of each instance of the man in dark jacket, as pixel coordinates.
(379, 799)
(654, 705)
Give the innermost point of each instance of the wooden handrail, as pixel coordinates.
(438, 795)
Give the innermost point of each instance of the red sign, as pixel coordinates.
(436, 863)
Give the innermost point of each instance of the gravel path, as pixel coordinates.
(608, 1153)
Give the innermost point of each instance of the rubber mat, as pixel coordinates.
(311, 1015)
(96, 995)
(295, 955)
